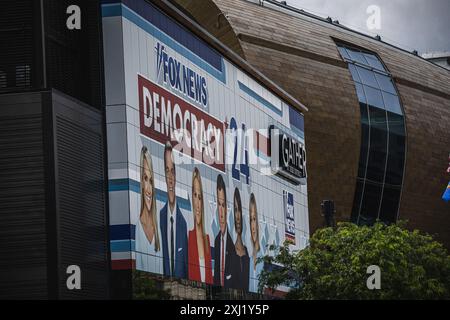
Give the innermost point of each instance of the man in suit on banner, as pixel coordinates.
(173, 225)
(223, 244)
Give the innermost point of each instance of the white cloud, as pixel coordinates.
(410, 24)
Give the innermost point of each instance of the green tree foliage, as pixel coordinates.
(146, 287)
(334, 265)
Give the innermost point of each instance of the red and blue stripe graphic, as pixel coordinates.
(122, 236)
(261, 145)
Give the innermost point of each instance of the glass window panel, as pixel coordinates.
(370, 203)
(385, 83)
(374, 62)
(396, 124)
(389, 205)
(354, 73)
(396, 160)
(357, 200)
(396, 151)
(360, 93)
(378, 145)
(376, 164)
(374, 97)
(381, 159)
(367, 77)
(364, 113)
(392, 103)
(344, 53)
(365, 128)
(356, 56)
(377, 119)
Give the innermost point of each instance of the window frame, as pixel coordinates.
(347, 57)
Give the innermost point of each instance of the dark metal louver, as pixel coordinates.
(19, 68)
(39, 52)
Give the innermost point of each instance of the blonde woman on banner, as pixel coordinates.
(199, 257)
(147, 241)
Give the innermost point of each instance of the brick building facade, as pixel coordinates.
(299, 52)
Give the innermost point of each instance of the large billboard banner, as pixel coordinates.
(193, 189)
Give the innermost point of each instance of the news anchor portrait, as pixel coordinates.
(199, 246)
(241, 261)
(173, 225)
(255, 266)
(223, 244)
(147, 242)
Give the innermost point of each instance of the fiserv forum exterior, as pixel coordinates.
(347, 153)
(169, 93)
(338, 74)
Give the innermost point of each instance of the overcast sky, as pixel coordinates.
(422, 25)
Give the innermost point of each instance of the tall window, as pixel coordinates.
(382, 154)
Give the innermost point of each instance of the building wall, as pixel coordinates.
(299, 53)
(53, 197)
(24, 243)
(214, 22)
(428, 145)
(53, 209)
(81, 218)
(142, 99)
(333, 125)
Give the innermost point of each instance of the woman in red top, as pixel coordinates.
(199, 247)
